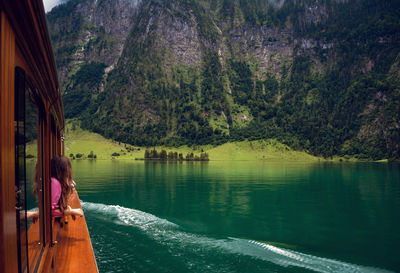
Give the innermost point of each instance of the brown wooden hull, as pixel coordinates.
(74, 250)
(26, 53)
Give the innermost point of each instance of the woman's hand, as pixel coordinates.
(32, 215)
(73, 212)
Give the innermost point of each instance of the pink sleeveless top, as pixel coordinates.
(55, 197)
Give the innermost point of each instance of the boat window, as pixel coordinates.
(52, 143)
(29, 172)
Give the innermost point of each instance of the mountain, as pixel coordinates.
(318, 75)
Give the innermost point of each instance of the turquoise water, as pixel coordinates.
(242, 216)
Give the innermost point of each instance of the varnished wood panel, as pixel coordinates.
(74, 251)
(33, 241)
(8, 229)
(27, 18)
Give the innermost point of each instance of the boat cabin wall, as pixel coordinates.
(27, 64)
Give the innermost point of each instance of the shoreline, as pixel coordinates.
(322, 160)
(84, 143)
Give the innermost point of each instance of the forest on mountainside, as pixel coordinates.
(320, 76)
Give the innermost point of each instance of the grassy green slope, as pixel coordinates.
(83, 142)
(269, 149)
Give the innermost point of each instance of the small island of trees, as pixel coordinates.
(163, 155)
(91, 155)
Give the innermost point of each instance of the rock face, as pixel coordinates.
(92, 30)
(267, 46)
(105, 25)
(184, 72)
(180, 38)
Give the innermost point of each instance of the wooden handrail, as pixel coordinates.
(73, 249)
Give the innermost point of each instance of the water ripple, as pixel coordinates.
(169, 234)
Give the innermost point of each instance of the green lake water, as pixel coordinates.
(241, 216)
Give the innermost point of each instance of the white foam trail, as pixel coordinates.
(286, 257)
(168, 233)
(129, 216)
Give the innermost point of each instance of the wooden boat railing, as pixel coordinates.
(71, 246)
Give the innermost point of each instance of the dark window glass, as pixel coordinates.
(29, 173)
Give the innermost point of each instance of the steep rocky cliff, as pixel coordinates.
(317, 74)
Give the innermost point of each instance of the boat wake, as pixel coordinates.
(173, 236)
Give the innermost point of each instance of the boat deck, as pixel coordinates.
(73, 250)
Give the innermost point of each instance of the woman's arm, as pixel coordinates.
(69, 211)
(32, 215)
